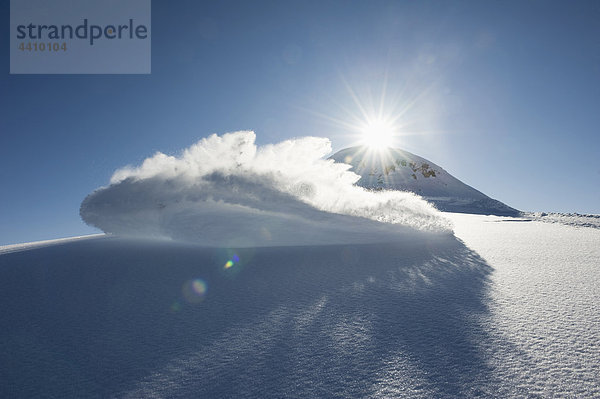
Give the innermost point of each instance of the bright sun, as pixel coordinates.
(377, 134)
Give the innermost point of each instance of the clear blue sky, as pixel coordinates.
(503, 95)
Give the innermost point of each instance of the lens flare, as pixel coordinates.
(195, 290)
(199, 287)
(229, 264)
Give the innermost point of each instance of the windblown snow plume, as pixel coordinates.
(225, 191)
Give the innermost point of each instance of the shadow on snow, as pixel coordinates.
(108, 317)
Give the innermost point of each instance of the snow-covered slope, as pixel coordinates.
(423, 317)
(400, 170)
(5, 249)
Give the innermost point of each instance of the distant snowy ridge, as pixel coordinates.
(570, 219)
(396, 169)
(224, 190)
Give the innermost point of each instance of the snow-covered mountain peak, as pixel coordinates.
(396, 169)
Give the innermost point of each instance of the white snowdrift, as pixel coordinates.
(224, 191)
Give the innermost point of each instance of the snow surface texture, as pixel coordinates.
(426, 317)
(396, 169)
(544, 318)
(225, 191)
